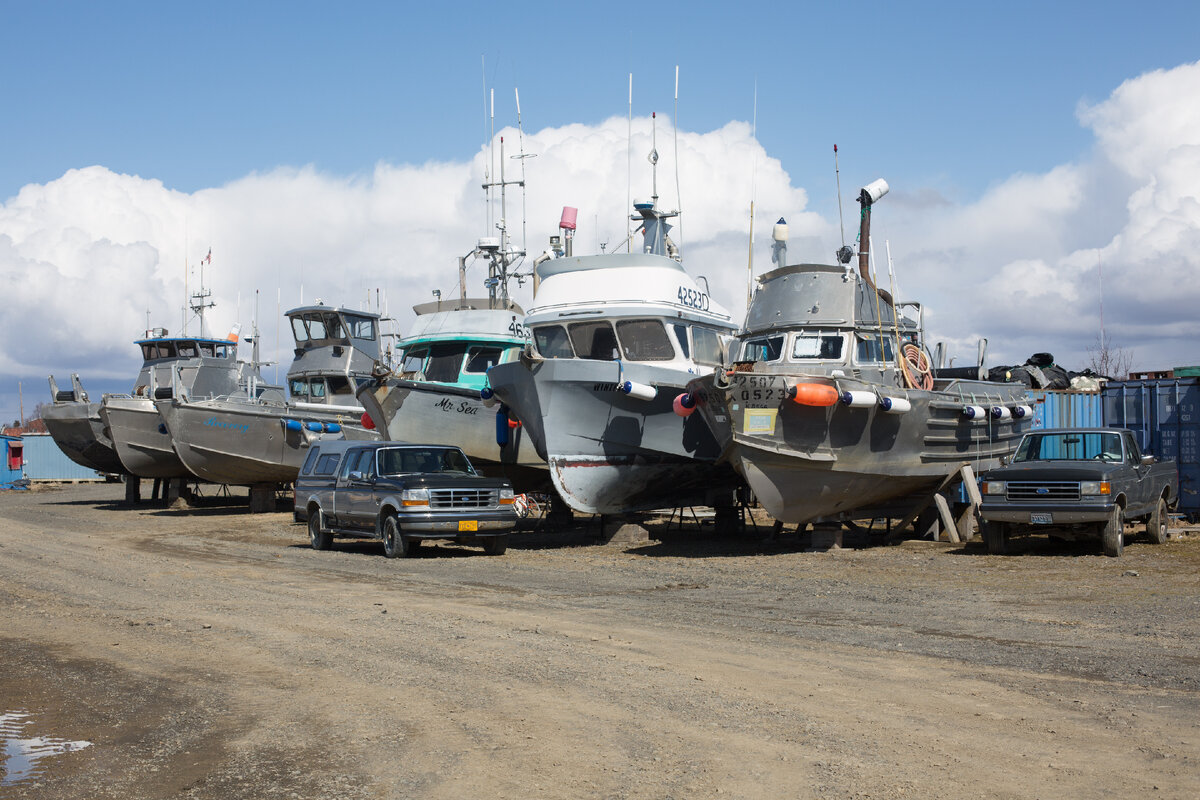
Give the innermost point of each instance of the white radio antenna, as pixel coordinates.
(629, 172)
(675, 135)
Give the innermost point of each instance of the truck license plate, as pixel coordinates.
(1041, 519)
(468, 525)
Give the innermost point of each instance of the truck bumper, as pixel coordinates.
(442, 528)
(1060, 514)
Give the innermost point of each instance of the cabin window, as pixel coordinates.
(187, 350)
(208, 350)
(333, 327)
(226, 350)
(316, 327)
(818, 346)
(308, 462)
(481, 359)
(874, 349)
(445, 361)
(682, 337)
(339, 385)
(361, 327)
(552, 342)
(166, 349)
(594, 340)
(149, 351)
(763, 348)
(299, 388)
(644, 340)
(327, 465)
(316, 389)
(299, 330)
(414, 361)
(708, 346)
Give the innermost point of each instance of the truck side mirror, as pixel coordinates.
(355, 475)
(1148, 459)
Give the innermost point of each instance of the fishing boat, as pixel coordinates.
(614, 339)
(198, 366)
(434, 396)
(831, 404)
(74, 423)
(251, 438)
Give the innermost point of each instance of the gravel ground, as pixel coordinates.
(210, 653)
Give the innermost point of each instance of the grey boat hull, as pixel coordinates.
(246, 443)
(79, 432)
(807, 462)
(609, 452)
(140, 438)
(430, 413)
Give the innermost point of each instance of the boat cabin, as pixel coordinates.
(456, 342)
(335, 351)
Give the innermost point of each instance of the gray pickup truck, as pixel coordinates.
(401, 494)
(1077, 483)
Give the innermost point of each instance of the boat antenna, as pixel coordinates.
(887, 246)
(492, 157)
(753, 192)
(629, 170)
(838, 174)
(521, 156)
(675, 136)
(199, 301)
(878, 310)
(653, 158)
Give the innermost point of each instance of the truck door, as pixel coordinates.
(339, 501)
(360, 492)
(1140, 494)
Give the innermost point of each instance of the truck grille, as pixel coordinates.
(1043, 490)
(462, 498)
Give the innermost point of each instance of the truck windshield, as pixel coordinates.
(1069, 446)
(400, 460)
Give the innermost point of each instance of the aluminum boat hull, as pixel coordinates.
(79, 432)
(140, 438)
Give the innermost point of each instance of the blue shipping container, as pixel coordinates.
(45, 462)
(1164, 415)
(1066, 409)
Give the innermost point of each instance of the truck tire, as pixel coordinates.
(320, 538)
(395, 544)
(1156, 525)
(995, 536)
(1113, 533)
(495, 545)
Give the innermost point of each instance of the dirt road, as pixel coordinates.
(213, 654)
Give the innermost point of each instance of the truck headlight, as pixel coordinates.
(994, 487)
(415, 497)
(1093, 488)
(506, 496)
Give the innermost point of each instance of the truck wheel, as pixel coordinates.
(495, 545)
(395, 544)
(995, 536)
(1156, 526)
(1114, 533)
(320, 538)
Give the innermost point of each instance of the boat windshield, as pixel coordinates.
(361, 327)
(708, 346)
(644, 340)
(873, 348)
(816, 346)
(318, 326)
(552, 342)
(445, 361)
(481, 359)
(763, 348)
(401, 460)
(1069, 446)
(594, 340)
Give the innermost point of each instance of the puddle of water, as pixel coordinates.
(19, 756)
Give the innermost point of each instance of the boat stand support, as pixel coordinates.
(133, 490)
(262, 498)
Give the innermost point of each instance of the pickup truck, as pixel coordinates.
(1077, 483)
(401, 494)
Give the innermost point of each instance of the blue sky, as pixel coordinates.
(948, 101)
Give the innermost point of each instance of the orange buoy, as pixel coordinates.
(814, 394)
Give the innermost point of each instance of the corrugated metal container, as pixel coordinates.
(1164, 415)
(1066, 409)
(45, 462)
